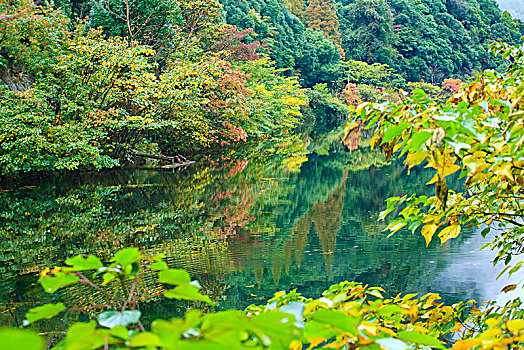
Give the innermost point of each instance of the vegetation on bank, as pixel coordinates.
(92, 100)
(89, 84)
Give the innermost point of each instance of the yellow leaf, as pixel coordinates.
(466, 344)
(492, 322)
(509, 288)
(505, 170)
(457, 328)
(428, 231)
(515, 326)
(370, 328)
(295, 345)
(313, 342)
(449, 232)
(416, 158)
(447, 171)
(491, 334)
(336, 345)
(351, 126)
(431, 297)
(412, 312)
(374, 140)
(388, 331)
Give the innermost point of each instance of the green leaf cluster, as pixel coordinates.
(348, 313)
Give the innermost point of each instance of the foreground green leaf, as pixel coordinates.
(111, 319)
(52, 283)
(187, 293)
(78, 263)
(16, 339)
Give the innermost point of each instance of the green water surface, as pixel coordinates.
(245, 224)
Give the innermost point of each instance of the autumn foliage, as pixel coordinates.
(453, 85)
(322, 15)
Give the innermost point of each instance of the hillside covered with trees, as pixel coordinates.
(428, 40)
(91, 84)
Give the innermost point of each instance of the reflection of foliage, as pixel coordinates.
(327, 226)
(327, 112)
(245, 219)
(51, 219)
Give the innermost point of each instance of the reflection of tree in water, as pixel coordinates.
(344, 205)
(241, 227)
(185, 215)
(327, 218)
(297, 243)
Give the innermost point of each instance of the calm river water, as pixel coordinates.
(246, 224)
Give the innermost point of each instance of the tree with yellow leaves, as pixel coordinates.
(322, 15)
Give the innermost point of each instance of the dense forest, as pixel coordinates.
(91, 84)
(166, 78)
(421, 40)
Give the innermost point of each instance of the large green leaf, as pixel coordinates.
(127, 256)
(169, 332)
(419, 139)
(159, 265)
(419, 338)
(388, 310)
(82, 336)
(318, 330)
(187, 293)
(119, 332)
(174, 277)
(338, 320)
(52, 283)
(111, 319)
(45, 311)
(16, 339)
(78, 263)
(145, 339)
(394, 131)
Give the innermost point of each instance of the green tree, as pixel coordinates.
(322, 15)
(183, 28)
(426, 40)
(319, 62)
(367, 30)
(273, 24)
(91, 98)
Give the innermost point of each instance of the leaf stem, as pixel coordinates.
(84, 280)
